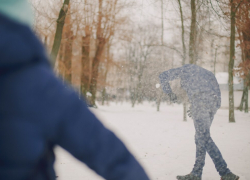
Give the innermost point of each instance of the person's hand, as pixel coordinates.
(173, 97)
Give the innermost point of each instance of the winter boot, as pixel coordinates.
(230, 176)
(188, 177)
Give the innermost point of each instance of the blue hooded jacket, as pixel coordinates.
(38, 112)
(195, 80)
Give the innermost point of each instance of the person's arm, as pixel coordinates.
(83, 135)
(167, 76)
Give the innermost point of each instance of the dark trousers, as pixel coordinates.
(203, 110)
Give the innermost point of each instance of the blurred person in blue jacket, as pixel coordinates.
(203, 93)
(38, 112)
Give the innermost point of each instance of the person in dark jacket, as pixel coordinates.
(203, 92)
(38, 112)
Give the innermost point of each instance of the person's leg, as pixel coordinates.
(203, 114)
(215, 154)
(201, 131)
(201, 134)
(201, 117)
(205, 143)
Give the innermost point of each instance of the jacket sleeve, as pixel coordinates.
(167, 76)
(84, 136)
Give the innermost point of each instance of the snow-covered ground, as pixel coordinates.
(164, 144)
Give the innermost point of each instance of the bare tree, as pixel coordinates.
(184, 54)
(234, 6)
(193, 34)
(139, 49)
(107, 22)
(59, 30)
(243, 25)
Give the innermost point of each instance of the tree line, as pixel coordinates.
(99, 48)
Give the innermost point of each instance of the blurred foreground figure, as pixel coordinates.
(37, 112)
(202, 90)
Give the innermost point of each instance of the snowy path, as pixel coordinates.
(164, 144)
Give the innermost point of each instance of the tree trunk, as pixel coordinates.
(245, 57)
(93, 83)
(184, 55)
(159, 100)
(96, 61)
(85, 62)
(244, 99)
(61, 69)
(215, 58)
(68, 36)
(231, 63)
(103, 95)
(59, 29)
(246, 39)
(192, 34)
(159, 96)
(182, 34)
(106, 73)
(95, 72)
(134, 97)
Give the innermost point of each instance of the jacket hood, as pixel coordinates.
(18, 44)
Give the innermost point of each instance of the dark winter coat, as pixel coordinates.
(195, 80)
(38, 112)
